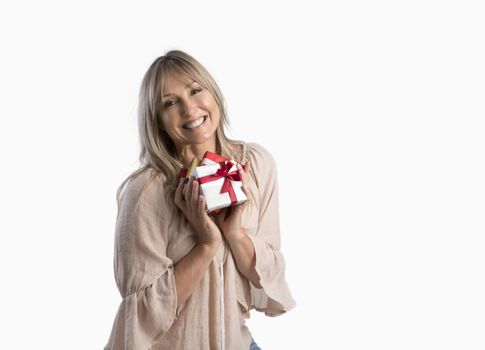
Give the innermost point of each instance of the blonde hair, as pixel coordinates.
(158, 151)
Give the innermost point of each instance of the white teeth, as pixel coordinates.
(195, 123)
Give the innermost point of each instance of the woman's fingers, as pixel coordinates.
(237, 210)
(188, 192)
(219, 217)
(248, 194)
(244, 171)
(195, 196)
(241, 171)
(201, 207)
(178, 193)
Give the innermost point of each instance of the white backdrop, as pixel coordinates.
(373, 110)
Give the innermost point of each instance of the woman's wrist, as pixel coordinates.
(210, 246)
(235, 236)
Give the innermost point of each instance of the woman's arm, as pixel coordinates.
(243, 251)
(189, 270)
(274, 298)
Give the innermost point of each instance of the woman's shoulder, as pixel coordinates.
(258, 154)
(146, 184)
(242, 151)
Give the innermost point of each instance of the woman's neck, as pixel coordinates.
(188, 152)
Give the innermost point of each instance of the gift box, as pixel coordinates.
(220, 182)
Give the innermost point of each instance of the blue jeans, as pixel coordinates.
(254, 346)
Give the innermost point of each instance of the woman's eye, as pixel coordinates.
(172, 102)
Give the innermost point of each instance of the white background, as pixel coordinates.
(373, 110)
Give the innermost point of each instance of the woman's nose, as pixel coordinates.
(190, 109)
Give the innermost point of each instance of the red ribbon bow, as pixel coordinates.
(224, 172)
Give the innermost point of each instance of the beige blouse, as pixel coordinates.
(150, 238)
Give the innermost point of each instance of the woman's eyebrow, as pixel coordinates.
(186, 87)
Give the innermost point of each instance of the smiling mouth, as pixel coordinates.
(195, 124)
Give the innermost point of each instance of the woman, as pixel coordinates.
(189, 279)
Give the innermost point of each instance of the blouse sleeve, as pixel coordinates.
(143, 273)
(274, 298)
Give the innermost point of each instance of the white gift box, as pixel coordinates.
(212, 190)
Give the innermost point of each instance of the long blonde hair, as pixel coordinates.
(158, 151)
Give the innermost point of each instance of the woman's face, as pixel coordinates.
(191, 114)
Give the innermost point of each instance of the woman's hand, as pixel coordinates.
(193, 207)
(229, 219)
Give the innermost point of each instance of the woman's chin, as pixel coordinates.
(201, 138)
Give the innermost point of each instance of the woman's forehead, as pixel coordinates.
(175, 78)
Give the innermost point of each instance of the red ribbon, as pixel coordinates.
(224, 172)
(216, 158)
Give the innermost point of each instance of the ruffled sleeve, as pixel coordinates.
(274, 298)
(143, 273)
